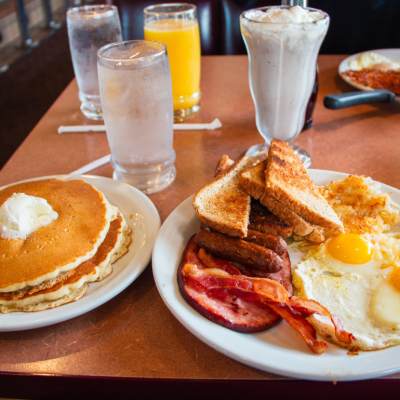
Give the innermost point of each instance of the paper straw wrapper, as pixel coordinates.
(101, 161)
(177, 127)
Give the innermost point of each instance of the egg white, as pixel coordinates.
(385, 306)
(355, 294)
(372, 60)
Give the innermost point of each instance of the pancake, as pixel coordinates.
(84, 217)
(114, 246)
(17, 294)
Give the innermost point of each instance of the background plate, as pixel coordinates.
(279, 350)
(145, 223)
(393, 54)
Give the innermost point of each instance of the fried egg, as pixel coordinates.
(372, 60)
(356, 275)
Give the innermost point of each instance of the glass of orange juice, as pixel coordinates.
(176, 26)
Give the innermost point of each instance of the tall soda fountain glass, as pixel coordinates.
(136, 94)
(176, 25)
(89, 28)
(283, 44)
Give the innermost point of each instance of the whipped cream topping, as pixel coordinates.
(20, 215)
(294, 15)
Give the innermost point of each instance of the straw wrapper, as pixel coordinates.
(177, 127)
(101, 128)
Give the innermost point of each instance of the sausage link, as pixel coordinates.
(262, 220)
(274, 243)
(249, 254)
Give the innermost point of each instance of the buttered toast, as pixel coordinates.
(287, 181)
(223, 205)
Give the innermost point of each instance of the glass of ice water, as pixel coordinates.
(89, 28)
(136, 94)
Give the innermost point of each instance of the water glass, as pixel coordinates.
(177, 26)
(89, 28)
(136, 94)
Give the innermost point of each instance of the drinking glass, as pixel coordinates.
(89, 28)
(177, 26)
(136, 94)
(282, 60)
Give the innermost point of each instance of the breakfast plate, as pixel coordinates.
(144, 220)
(278, 350)
(393, 54)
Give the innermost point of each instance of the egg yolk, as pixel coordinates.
(395, 279)
(351, 248)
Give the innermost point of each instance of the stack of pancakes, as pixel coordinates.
(54, 265)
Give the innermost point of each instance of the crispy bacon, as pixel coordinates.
(312, 307)
(222, 305)
(213, 262)
(301, 325)
(376, 79)
(226, 283)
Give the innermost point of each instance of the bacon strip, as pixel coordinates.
(312, 307)
(301, 325)
(292, 309)
(222, 305)
(213, 262)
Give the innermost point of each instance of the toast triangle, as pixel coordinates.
(223, 205)
(287, 180)
(253, 181)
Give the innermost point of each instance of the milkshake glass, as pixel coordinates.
(283, 44)
(89, 28)
(136, 94)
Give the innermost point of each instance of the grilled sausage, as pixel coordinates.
(262, 220)
(274, 243)
(249, 254)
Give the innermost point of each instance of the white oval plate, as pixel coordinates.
(145, 224)
(278, 350)
(393, 54)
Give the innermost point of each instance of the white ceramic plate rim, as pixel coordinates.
(393, 54)
(279, 350)
(126, 270)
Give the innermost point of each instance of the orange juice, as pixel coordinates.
(183, 45)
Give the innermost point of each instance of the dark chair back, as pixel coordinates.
(356, 25)
(232, 41)
(360, 25)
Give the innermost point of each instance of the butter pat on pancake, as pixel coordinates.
(84, 217)
(21, 215)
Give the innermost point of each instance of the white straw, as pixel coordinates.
(92, 165)
(178, 127)
(191, 127)
(82, 128)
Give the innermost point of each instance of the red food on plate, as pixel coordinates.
(225, 307)
(376, 79)
(220, 291)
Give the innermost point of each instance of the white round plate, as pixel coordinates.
(145, 223)
(278, 350)
(393, 54)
